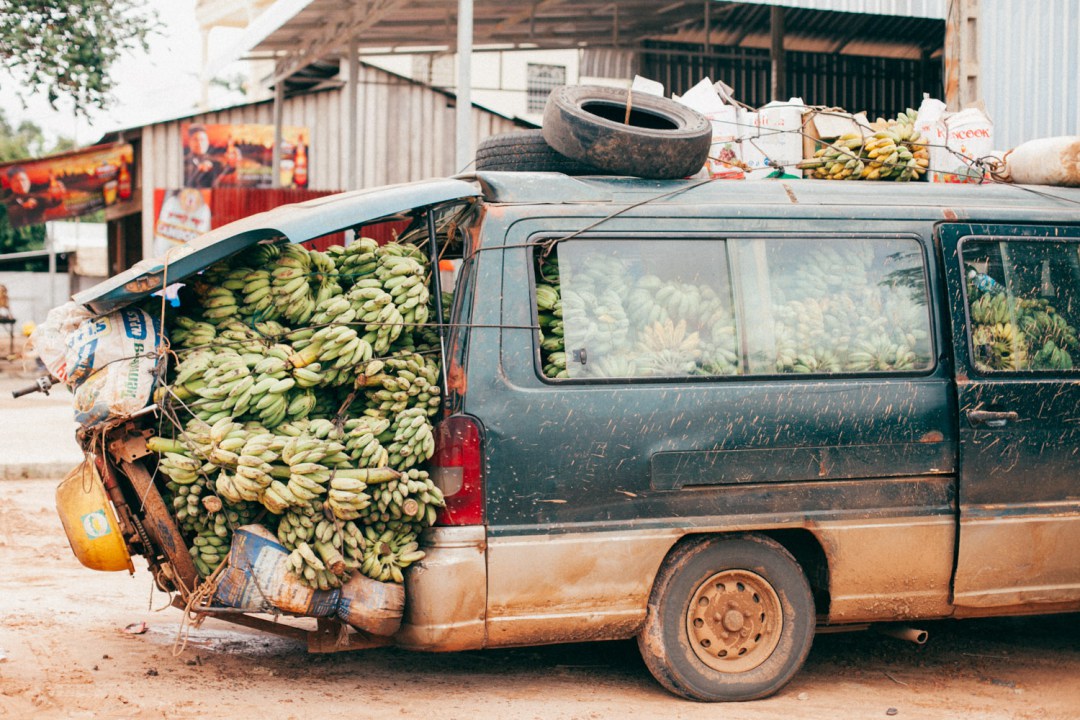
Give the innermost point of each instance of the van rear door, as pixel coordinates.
(1015, 301)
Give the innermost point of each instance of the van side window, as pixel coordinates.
(1023, 304)
(677, 308)
(852, 306)
(636, 308)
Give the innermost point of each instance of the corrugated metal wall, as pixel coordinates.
(880, 86)
(405, 133)
(1029, 68)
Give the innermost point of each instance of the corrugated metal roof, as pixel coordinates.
(1029, 68)
(321, 28)
(748, 25)
(906, 8)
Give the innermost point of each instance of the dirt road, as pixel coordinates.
(65, 655)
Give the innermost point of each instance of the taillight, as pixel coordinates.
(456, 469)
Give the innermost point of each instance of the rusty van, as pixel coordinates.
(720, 417)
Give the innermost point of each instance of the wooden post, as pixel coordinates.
(962, 54)
(778, 86)
(275, 164)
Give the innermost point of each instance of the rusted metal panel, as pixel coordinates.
(446, 592)
(1019, 560)
(159, 524)
(595, 585)
(894, 569)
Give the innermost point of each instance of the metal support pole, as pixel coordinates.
(708, 26)
(279, 101)
(464, 129)
(778, 86)
(436, 289)
(50, 243)
(352, 146)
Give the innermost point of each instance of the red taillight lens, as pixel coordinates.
(456, 469)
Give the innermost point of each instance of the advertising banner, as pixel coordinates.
(65, 186)
(180, 216)
(242, 156)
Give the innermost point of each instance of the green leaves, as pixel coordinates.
(66, 48)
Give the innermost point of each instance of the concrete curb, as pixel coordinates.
(37, 470)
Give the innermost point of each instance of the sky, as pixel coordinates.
(162, 83)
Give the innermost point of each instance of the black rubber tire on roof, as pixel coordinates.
(663, 139)
(526, 151)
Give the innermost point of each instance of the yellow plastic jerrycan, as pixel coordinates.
(90, 521)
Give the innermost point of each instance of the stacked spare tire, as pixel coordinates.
(595, 130)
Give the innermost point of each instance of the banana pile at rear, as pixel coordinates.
(303, 385)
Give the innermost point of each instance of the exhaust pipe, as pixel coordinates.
(903, 632)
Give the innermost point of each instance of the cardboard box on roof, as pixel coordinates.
(821, 125)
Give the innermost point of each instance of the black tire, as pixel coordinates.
(526, 151)
(663, 139)
(760, 585)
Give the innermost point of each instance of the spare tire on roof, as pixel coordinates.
(663, 139)
(526, 151)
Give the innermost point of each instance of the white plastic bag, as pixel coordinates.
(773, 134)
(112, 361)
(49, 339)
(956, 141)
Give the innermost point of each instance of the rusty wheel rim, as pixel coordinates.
(734, 621)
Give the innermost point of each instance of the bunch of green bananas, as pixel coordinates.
(405, 278)
(414, 440)
(362, 440)
(405, 380)
(413, 498)
(208, 551)
(191, 333)
(290, 285)
(388, 553)
(374, 306)
(218, 303)
(887, 150)
(1000, 346)
(333, 347)
(355, 262)
(320, 565)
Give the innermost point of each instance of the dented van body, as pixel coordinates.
(857, 486)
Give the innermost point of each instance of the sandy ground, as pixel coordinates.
(64, 654)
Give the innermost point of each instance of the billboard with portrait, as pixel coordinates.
(242, 155)
(66, 186)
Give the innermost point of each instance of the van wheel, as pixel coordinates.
(663, 138)
(729, 618)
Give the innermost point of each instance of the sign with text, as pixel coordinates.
(180, 216)
(67, 185)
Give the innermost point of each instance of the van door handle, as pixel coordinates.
(991, 418)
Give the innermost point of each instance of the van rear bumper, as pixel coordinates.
(446, 592)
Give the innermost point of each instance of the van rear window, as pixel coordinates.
(699, 307)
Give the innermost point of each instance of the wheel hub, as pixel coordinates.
(734, 621)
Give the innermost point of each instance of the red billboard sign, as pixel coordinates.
(65, 186)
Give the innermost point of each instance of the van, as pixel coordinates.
(720, 417)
